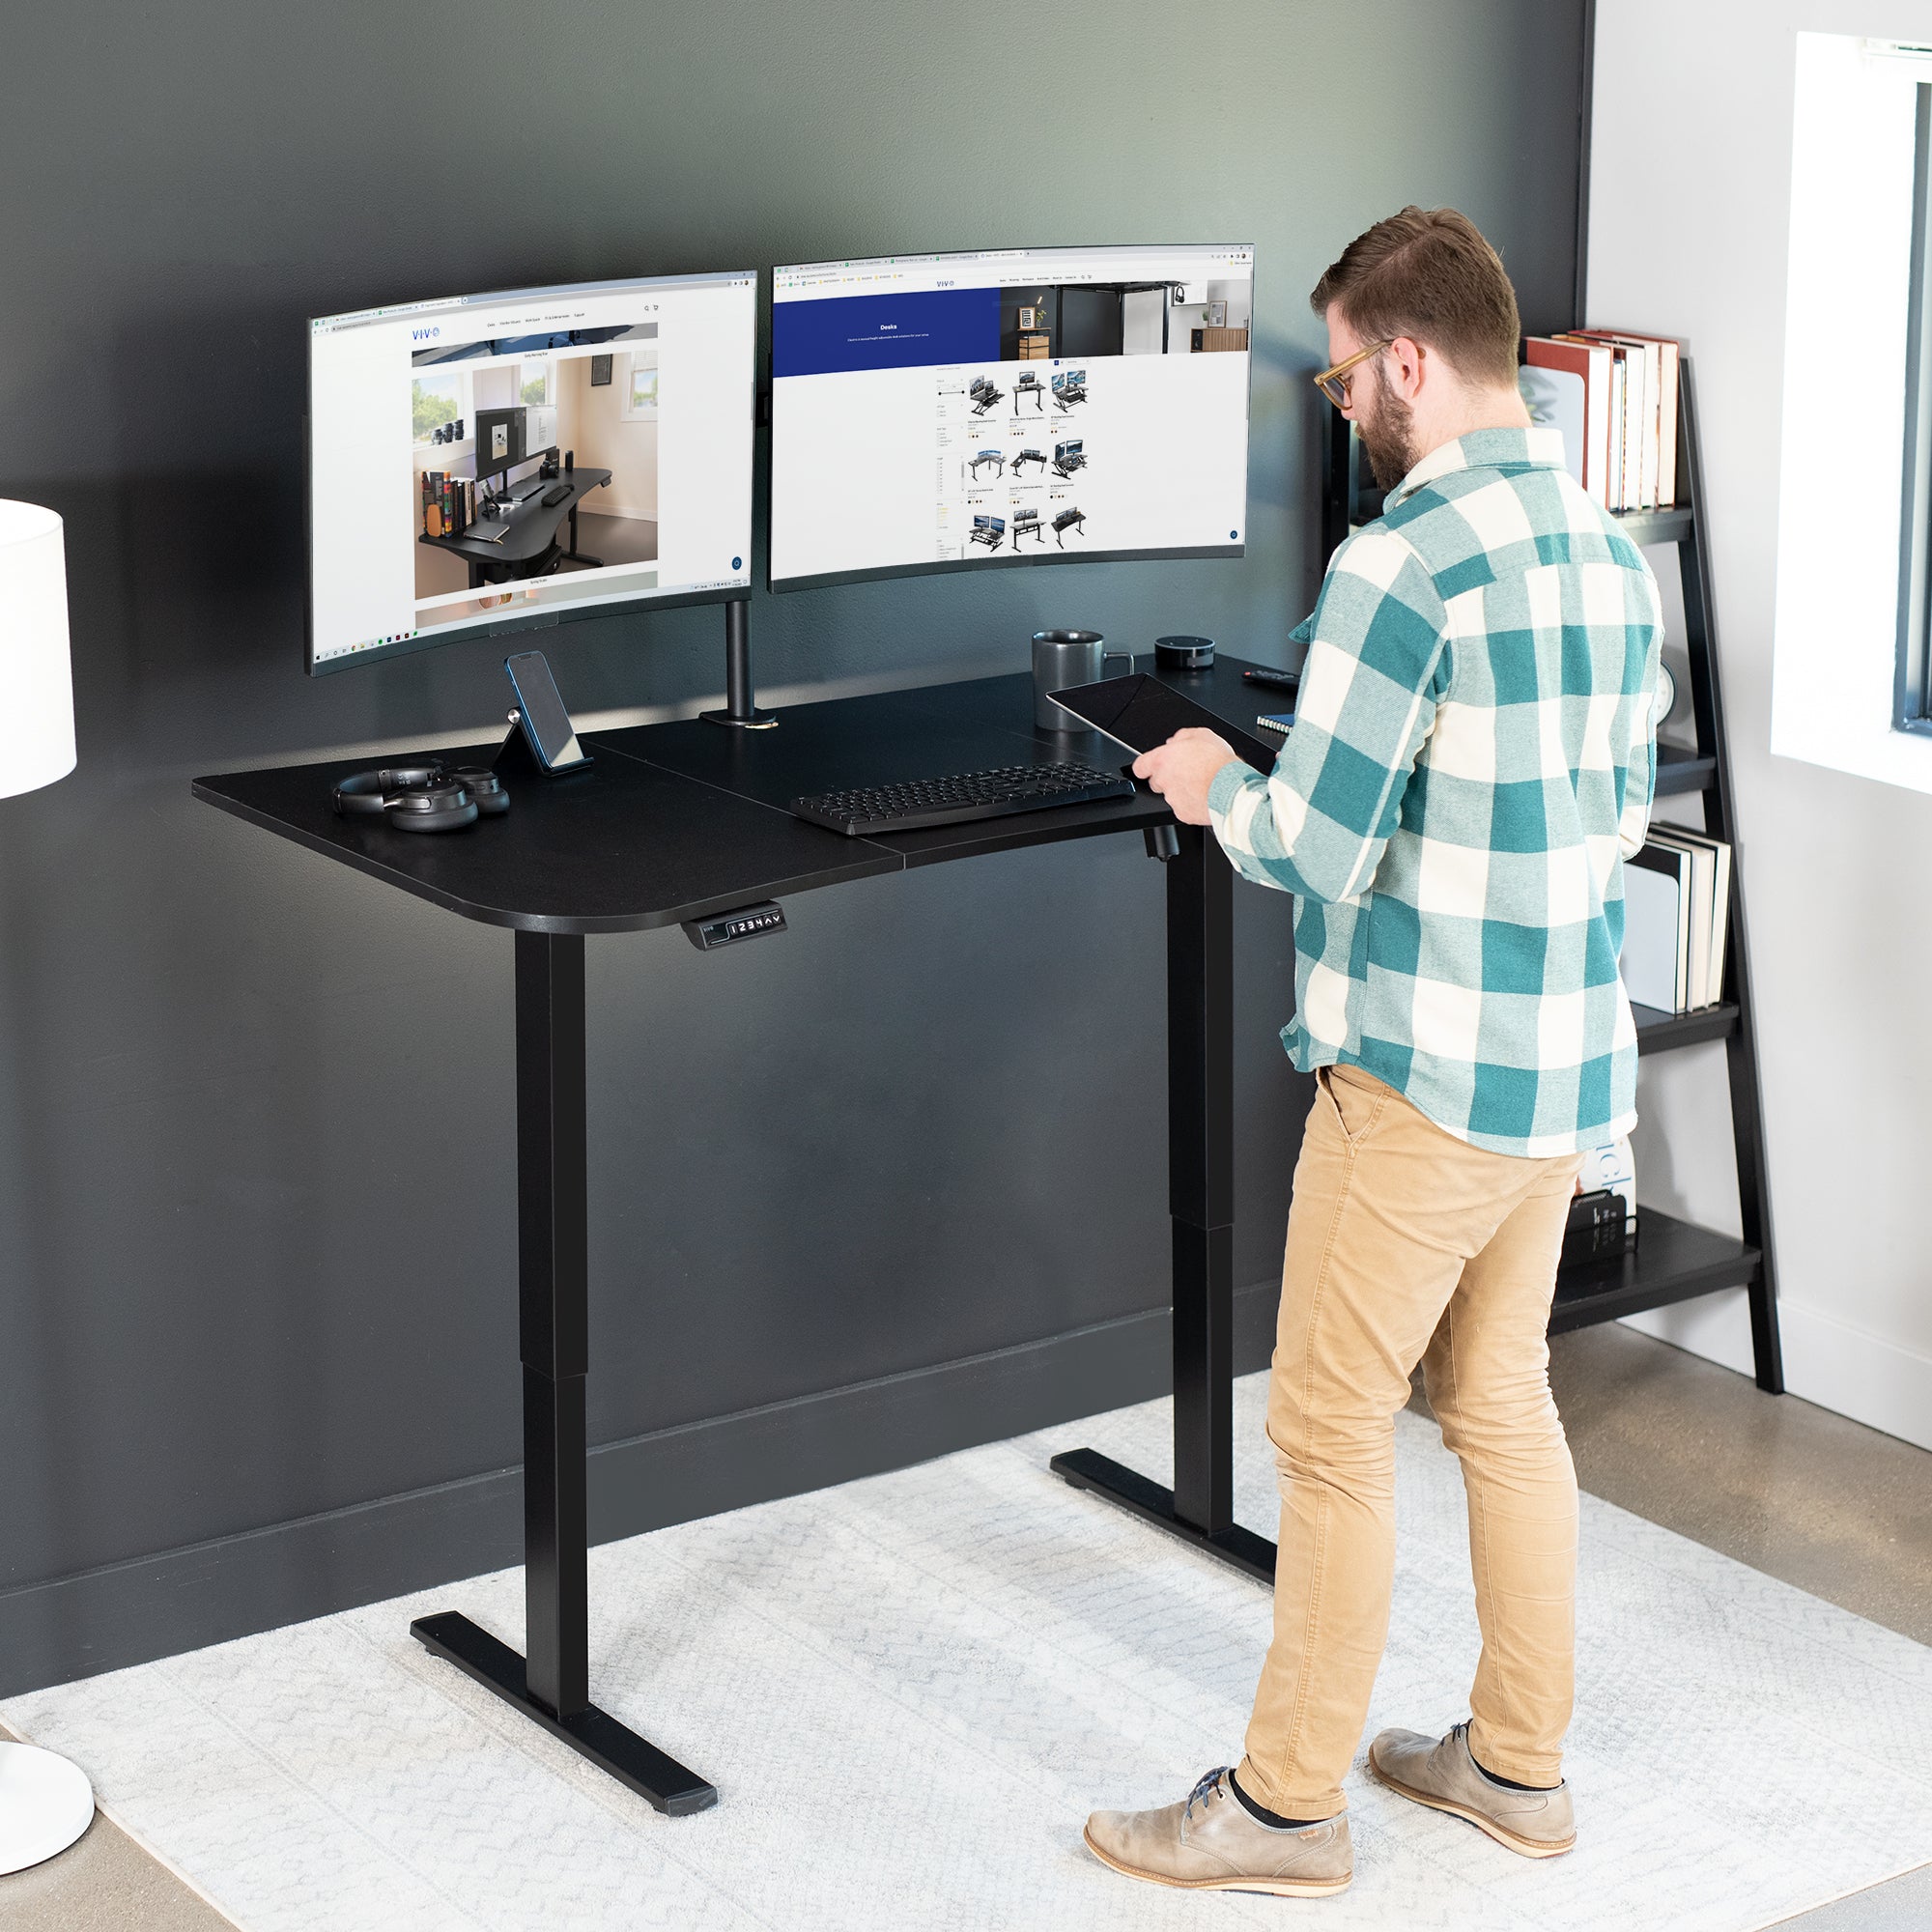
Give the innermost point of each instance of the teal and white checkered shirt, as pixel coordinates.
(1472, 761)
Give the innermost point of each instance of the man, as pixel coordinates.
(1472, 761)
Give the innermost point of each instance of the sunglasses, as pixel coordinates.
(1334, 382)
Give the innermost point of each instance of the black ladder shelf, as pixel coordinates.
(1672, 1260)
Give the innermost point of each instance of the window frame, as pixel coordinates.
(1912, 708)
(630, 409)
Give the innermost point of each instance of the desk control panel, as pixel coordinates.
(728, 929)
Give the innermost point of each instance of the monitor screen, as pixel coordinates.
(440, 504)
(1012, 406)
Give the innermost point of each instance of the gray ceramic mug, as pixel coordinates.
(1060, 660)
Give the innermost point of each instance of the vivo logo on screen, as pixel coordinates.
(423, 334)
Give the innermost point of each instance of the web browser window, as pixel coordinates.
(539, 451)
(947, 411)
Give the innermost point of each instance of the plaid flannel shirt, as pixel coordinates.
(1472, 761)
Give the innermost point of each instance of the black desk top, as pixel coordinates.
(677, 821)
(532, 527)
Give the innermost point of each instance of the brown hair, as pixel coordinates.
(1428, 274)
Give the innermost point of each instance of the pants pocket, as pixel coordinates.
(1358, 1099)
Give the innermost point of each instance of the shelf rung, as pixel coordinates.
(1672, 1261)
(1657, 1031)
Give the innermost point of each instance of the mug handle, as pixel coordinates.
(1128, 655)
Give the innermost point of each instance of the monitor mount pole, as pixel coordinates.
(740, 708)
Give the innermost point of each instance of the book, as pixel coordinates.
(1713, 908)
(1656, 956)
(1620, 468)
(1628, 410)
(1669, 352)
(1646, 355)
(1703, 875)
(1558, 399)
(1590, 360)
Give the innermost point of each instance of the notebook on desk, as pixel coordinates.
(1140, 712)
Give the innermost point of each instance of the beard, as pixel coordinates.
(1388, 439)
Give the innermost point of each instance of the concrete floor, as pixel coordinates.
(1804, 1495)
(106, 1883)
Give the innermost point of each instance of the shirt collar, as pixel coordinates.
(1540, 447)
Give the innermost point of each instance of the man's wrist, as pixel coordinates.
(1226, 785)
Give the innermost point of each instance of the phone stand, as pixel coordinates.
(518, 760)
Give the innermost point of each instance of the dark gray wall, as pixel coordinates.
(893, 1182)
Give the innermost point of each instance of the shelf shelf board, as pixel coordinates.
(1657, 1031)
(1653, 526)
(1680, 769)
(1672, 1261)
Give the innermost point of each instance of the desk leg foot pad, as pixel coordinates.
(621, 1753)
(1139, 1495)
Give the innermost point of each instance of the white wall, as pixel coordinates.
(605, 440)
(1690, 218)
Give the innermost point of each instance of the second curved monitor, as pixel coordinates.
(942, 412)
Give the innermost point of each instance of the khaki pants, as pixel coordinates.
(1405, 1244)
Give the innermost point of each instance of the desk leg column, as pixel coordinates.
(553, 1686)
(1200, 1508)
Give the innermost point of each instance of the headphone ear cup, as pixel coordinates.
(437, 804)
(491, 793)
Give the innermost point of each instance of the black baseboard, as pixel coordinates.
(149, 1607)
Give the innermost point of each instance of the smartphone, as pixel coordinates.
(546, 723)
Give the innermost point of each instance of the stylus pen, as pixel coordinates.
(1281, 680)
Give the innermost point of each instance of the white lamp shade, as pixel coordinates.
(36, 674)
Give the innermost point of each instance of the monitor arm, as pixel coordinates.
(740, 706)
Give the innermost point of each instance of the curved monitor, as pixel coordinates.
(935, 412)
(497, 463)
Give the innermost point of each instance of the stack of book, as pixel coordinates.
(1677, 902)
(1614, 395)
(448, 504)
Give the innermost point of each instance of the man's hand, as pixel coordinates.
(1182, 769)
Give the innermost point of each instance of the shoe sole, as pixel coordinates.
(1528, 1848)
(1275, 1888)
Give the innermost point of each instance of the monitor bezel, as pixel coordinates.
(968, 565)
(549, 616)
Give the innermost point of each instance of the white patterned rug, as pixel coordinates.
(910, 1691)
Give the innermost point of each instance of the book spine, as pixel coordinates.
(1667, 427)
(1653, 399)
(1619, 477)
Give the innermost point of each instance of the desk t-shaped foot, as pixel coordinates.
(553, 1686)
(1200, 1508)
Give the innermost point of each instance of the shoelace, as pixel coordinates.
(1205, 1791)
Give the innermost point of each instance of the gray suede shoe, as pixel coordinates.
(1209, 1842)
(1442, 1775)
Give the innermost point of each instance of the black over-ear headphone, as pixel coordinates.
(429, 797)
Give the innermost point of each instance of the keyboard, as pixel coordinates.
(553, 497)
(959, 801)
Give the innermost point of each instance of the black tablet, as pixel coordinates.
(1140, 712)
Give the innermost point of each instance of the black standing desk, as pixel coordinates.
(679, 821)
(525, 549)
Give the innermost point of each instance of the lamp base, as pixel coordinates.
(45, 1804)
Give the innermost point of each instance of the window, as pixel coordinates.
(639, 390)
(434, 400)
(534, 384)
